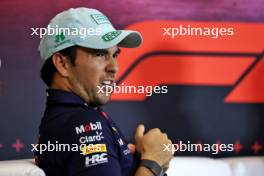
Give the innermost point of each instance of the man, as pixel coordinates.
(75, 67)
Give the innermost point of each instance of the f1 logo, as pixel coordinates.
(235, 61)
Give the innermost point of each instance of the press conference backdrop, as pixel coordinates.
(215, 85)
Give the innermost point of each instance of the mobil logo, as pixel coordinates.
(88, 127)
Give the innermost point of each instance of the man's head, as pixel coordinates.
(80, 63)
(82, 70)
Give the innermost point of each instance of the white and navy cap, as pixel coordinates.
(87, 28)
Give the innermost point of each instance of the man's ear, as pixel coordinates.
(62, 64)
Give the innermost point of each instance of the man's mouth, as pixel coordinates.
(107, 83)
(106, 86)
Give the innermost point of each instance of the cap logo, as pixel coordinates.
(111, 35)
(59, 37)
(100, 19)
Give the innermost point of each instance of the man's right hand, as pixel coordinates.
(151, 145)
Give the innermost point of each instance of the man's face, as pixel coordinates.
(93, 68)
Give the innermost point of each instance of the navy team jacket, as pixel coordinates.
(82, 141)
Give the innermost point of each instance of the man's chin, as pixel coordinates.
(102, 99)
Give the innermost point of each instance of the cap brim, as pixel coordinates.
(126, 39)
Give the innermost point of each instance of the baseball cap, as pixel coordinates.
(84, 27)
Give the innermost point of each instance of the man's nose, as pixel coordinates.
(112, 65)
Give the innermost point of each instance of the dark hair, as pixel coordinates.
(48, 69)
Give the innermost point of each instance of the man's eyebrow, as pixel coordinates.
(105, 51)
(118, 51)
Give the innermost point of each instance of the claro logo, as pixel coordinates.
(232, 61)
(88, 127)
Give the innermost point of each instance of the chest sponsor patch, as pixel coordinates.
(96, 159)
(126, 152)
(88, 127)
(93, 148)
(121, 142)
(93, 138)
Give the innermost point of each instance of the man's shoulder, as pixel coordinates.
(71, 119)
(63, 114)
(84, 114)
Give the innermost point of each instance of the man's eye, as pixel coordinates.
(99, 54)
(115, 56)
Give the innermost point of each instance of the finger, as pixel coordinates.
(139, 132)
(132, 148)
(165, 135)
